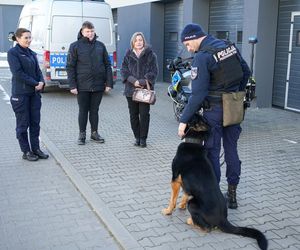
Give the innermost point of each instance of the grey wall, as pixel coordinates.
(130, 20)
(9, 16)
(260, 19)
(147, 18)
(157, 34)
(195, 11)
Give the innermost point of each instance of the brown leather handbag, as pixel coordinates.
(144, 95)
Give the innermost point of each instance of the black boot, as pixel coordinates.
(231, 197)
(137, 142)
(30, 156)
(96, 137)
(81, 138)
(41, 154)
(143, 143)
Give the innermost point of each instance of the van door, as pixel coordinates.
(100, 14)
(64, 31)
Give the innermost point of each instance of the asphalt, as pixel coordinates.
(110, 196)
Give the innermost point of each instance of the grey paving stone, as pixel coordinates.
(134, 183)
(40, 207)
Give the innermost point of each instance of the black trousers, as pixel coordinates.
(139, 118)
(89, 103)
(27, 109)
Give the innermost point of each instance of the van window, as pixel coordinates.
(102, 29)
(37, 31)
(65, 29)
(25, 22)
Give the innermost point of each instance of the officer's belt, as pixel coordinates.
(215, 97)
(215, 93)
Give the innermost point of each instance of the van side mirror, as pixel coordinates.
(10, 35)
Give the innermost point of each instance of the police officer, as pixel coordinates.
(217, 67)
(27, 82)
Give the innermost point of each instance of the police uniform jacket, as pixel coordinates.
(140, 68)
(202, 67)
(88, 65)
(25, 70)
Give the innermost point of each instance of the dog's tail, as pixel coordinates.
(227, 227)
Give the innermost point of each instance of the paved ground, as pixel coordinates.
(40, 208)
(127, 186)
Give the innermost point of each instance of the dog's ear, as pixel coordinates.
(197, 128)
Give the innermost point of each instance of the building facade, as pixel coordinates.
(9, 15)
(275, 23)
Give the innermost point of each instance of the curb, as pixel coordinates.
(119, 232)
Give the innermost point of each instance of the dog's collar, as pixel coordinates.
(194, 140)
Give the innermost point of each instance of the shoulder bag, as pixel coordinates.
(144, 95)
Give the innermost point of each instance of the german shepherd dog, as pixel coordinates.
(193, 171)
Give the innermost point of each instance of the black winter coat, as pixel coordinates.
(25, 70)
(140, 68)
(88, 65)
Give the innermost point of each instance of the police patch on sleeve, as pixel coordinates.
(194, 72)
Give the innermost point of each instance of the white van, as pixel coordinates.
(55, 24)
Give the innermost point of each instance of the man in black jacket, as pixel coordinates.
(89, 75)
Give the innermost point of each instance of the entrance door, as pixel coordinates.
(292, 94)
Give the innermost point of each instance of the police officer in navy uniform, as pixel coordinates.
(27, 82)
(210, 78)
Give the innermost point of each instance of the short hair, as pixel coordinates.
(132, 40)
(19, 32)
(87, 25)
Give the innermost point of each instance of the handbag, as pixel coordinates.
(233, 108)
(144, 95)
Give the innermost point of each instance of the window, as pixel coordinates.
(222, 35)
(65, 29)
(25, 22)
(103, 29)
(173, 36)
(298, 39)
(37, 32)
(239, 38)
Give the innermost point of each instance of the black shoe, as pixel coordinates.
(41, 154)
(81, 138)
(230, 197)
(137, 143)
(96, 137)
(143, 143)
(29, 156)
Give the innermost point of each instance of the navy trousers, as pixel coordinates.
(27, 110)
(230, 136)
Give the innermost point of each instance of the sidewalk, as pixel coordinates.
(127, 186)
(40, 208)
(3, 61)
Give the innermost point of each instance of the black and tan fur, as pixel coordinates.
(192, 170)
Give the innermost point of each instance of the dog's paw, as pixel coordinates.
(189, 221)
(182, 206)
(167, 211)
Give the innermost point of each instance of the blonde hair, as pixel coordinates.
(132, 40)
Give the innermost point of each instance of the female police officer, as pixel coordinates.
(27, 81)
(210, 77)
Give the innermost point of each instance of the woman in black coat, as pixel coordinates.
(139, 66)
(27, 82)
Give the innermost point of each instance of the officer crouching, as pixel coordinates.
(217, 68)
